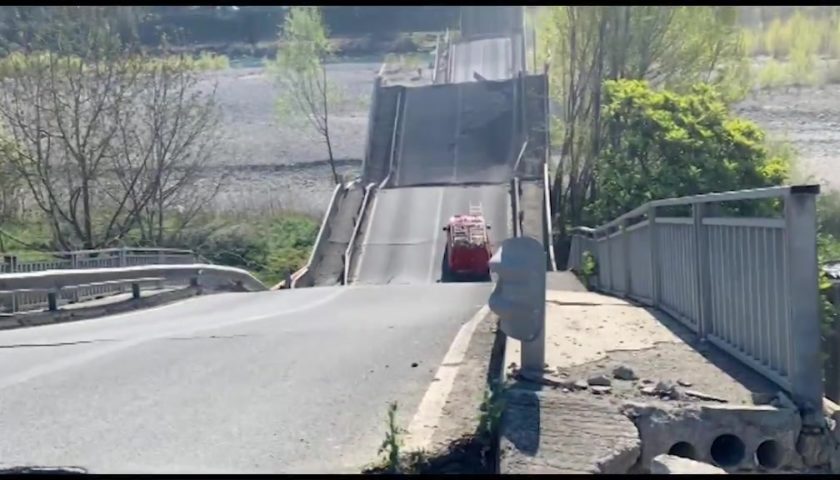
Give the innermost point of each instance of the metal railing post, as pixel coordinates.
(625, 256)
(703, 293)
(802, 271)
(656, 292)
(52, 300)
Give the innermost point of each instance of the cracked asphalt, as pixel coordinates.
(293, 381)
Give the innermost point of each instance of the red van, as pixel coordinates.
(468, 249)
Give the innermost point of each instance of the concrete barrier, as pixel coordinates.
(305, 279)
(360, 219)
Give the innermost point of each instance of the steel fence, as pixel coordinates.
(746, 284)
(85, 259)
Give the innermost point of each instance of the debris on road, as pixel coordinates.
(599, 390)
(623, 372)
(705, 396)
(599, 380)
(684, 383)
(669, 390)
(672, 465)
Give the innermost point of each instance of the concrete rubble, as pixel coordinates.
(735, 437)
(670, 465)
(684, 415)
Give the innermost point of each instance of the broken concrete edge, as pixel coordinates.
(87, 313)
(737, 438)
(665, 464)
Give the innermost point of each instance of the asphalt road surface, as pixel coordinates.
(492, 58)
(287, 381)
(404, 242)
(456, 134)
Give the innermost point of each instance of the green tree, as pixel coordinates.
(672, 47)
(671, 145)
(301, 73)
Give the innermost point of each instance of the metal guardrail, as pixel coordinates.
(53, 283)
(86, 259)
(747, 285)
(348, 253)
(516, 211)
(547, 227)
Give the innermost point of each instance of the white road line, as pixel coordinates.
(426, 420)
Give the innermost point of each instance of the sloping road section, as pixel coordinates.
(489, 59)
(405, 243)
(292, 381)
(456, 134)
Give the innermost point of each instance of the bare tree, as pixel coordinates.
(105, 140)
(169, 139)
(301, 73)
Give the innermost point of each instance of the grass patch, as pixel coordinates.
(468, 454)
(266, 246)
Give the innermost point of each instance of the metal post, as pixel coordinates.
(52, 301)
(703, 294)
(804, 314)
(625, 257)
(656, 290)
(135, 291)
(519, 299)
(532, 354)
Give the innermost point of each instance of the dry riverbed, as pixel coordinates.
(274, 164)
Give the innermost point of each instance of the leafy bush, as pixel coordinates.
(267, 247)
(662, 144)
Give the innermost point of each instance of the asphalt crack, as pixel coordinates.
(57, 344)
(210, 337)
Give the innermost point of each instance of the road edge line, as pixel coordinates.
(430, 410)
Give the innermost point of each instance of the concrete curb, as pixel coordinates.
(86, 313)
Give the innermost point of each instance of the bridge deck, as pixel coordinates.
(587, 335)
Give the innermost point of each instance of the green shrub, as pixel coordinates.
(267, 247)
(662, 144)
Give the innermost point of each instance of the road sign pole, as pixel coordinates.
(519, 299)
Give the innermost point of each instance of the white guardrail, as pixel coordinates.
(302, 276)
(86, 259)
(746, 284)
(348, 253)
(54, 284)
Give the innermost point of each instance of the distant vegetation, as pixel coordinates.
(104, 144)
(643, 95)
(228, 30)
(799, 50)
